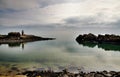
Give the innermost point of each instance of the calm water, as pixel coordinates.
(64, 52)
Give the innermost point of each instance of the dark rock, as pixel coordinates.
(6, 65)
(110, 39)
(112, 73)
(16, 38)
(99, 75)
(106, 42)
(90, 75)
(106, 74)
(9, 71)
(65, 73)
(86, 37)
(15, 69)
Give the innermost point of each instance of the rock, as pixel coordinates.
(16, 37)
(86, 37)
(112, 73)
(105, 73)
(89, 75)
(65, 75)
(65, 71)
(99, 39)
(14, 69)
(20, 76)
(98, 75)
(117, 74)
(15, 76)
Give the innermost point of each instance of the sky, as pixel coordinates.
(60, 13)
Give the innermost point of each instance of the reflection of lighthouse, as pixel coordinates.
(22, 32)
(22, 35)
(22, 45)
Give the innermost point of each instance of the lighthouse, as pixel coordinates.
(22, 32)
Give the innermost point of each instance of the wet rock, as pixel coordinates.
(15, 69)
(65, 73)
(98, 75)
(106, 74)
(112, 73)
(6, 65)
(20, 76)
(92, 74)
(14, 65)
(117, 74)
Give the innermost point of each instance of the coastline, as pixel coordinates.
(26, 38)
(65, 73)
(16, 37)
(99, 39)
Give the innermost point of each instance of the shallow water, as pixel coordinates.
(64, 52)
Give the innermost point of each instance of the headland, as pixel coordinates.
(17, 37)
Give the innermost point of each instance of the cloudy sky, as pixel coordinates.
(75, 13)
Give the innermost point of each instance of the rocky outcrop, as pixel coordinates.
(16, 37)
(65, 73)
(112, 39)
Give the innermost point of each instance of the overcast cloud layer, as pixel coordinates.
(75, 13)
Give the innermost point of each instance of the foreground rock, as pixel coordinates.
(65, 73)
(16, 37)
(110, 39)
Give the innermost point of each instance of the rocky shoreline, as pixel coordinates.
(107, 38)
(28, 38)
(65, 73)
(16, 37)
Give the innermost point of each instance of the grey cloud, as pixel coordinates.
(30, 4)
(44, 3)
(116, 23)
(18, 4)
(83, 21)
(90, 21)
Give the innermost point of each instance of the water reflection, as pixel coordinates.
(106, 47)
(21, 44)
(11, 45)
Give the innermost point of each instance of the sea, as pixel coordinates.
(62, 53)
